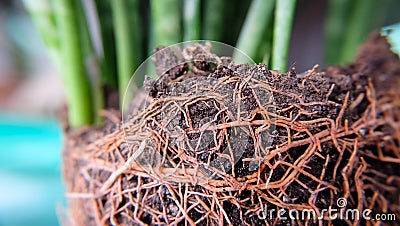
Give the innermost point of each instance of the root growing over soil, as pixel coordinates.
(222, 144)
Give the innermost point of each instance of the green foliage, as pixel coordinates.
(129, 30)
(284, 14)
(127, 40)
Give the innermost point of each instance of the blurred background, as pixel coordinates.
(31, 95)
(30, 136)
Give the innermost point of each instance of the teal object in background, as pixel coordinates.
(392, 33)
(30, 175)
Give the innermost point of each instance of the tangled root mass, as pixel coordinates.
(215, 142)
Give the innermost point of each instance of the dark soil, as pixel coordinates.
(299, 141)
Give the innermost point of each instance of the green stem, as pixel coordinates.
(338, 11)
(191, 19)
(90, 59)
(234, 17)
(252, 33)
(126, 45)
(357, 28)
(71, 65)
(166, 19)
(284, 13)
(213, 20)
(266, 46)
(106, 57)
(150, 68)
